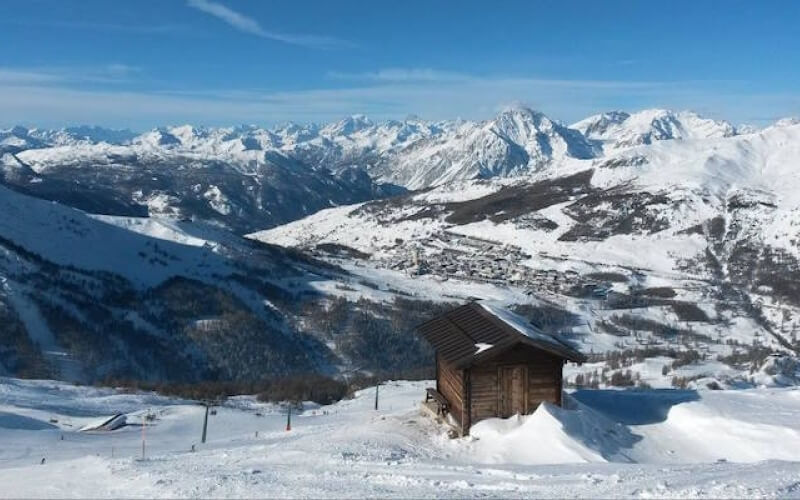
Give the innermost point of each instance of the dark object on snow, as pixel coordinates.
(205, 426)
(442, 406)
(43, 461)
(111, 424)
(493, 363)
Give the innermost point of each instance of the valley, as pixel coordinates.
(663, 244)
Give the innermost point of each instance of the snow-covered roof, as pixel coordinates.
(478, 330)
(523, 326)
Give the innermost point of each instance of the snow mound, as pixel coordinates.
(704, 432)
(550, 435)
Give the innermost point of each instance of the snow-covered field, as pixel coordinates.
(608, 444)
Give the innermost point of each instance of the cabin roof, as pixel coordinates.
(477, 331)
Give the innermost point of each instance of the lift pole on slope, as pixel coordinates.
(205, 424)
(144, 428)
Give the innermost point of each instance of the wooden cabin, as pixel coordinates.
(491, 362)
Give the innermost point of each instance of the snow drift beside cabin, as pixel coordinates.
(540, 438)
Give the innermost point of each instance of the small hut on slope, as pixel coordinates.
(491, 362)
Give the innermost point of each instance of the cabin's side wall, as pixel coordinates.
(450, 383)
(543, 382)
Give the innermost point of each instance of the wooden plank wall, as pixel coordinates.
(484, 392)
(451, 384)
(544, 381)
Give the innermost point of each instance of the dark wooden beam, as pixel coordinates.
(436, 356)
(466, 421)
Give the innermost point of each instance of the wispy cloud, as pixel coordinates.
(249, 25)
(55, 75)
(56, 97)
(10, 76)
(428, 76)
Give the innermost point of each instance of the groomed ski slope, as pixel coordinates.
(609, 444)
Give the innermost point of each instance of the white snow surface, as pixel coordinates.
(641, 444)
(121, 245)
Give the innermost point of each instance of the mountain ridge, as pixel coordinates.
(413, 153)
(675, 242)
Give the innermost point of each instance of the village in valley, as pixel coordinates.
(449, 255)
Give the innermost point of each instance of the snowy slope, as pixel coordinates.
(86, 297)
(350, 449)
(69, 237)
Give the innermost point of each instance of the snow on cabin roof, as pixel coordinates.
(476, 331)
(522, 325)
(482, 347)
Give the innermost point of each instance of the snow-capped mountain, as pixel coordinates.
(235, 178)
(697, 236)
(249, 178)
(655, 233)
(412, 153)
(20, 138)
(618, 129)
(515, 142)
(787, 122)
(418, 154)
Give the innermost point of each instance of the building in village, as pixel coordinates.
(491, 362)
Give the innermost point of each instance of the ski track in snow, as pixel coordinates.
(350, 450)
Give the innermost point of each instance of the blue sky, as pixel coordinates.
(141, 63)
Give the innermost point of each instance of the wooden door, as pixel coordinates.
(511, 390)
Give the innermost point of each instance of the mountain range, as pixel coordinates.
(653, 230)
